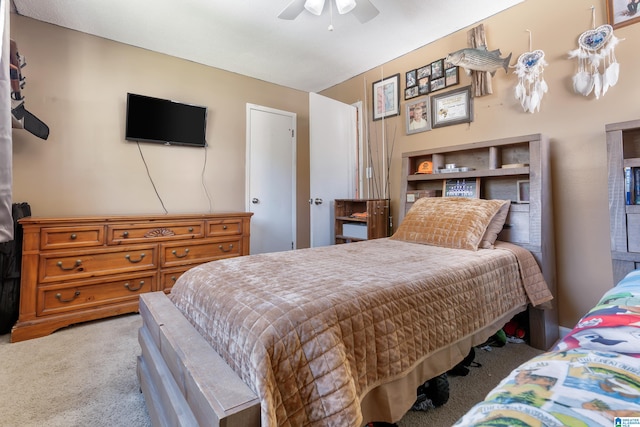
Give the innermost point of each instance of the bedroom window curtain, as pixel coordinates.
(6, 219)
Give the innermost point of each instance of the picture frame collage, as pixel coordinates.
(421, 82)
(432, 77)
(423, 112)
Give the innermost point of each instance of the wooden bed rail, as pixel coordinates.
(184, 381)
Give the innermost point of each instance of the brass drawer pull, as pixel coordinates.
(128, 286)
(186, 252)
(76, 294)
(76, 265)
(228, 250)
(128, 257)
(73, 236)
(125, 234)
(190, 229)
(224, 227)
(174, 278)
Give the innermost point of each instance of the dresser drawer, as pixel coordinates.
(197, 252)
(69, 265)
(94, 292)
(71, 237)
(170, 276)
(119, 234)
(224, 227)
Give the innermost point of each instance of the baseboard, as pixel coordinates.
(564, 331)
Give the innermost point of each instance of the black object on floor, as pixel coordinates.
(10, 265)
(432, 394)
(462, 368)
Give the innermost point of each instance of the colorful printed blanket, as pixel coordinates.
(591, 378)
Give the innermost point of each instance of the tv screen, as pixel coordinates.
(163, 121)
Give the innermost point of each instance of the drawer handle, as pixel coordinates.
(174, 278)
(76, 294)
(128, 286)
(224, 227)
(76, 265)
(228, 250)
(133, 261)
(186, 252)
(125, 234)
(190, 229)
(74, 236)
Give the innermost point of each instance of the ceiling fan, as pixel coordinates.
(364, 10)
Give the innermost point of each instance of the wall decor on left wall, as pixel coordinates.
(386, 97)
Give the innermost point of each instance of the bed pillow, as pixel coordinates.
(450, 222)
(495, 226)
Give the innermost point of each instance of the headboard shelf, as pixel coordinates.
(470, 174)
(623, 151)
(517, 169)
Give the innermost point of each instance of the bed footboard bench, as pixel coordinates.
(184, 381)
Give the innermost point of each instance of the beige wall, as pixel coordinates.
(574, 123)
(77, 85)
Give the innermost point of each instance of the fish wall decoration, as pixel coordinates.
(479, 59)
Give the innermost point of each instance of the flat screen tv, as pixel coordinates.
(163, 121)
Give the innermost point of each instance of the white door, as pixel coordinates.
(271, 184)
(333, 152)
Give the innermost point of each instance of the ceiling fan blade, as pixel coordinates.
(365, 11)
(292, 10)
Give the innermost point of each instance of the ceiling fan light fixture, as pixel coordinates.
(314, 6)
(345, 6)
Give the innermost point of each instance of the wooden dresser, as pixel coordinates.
(87, 268)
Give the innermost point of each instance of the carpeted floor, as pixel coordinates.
(85, 375)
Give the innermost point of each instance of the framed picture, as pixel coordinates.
(437, 84)
(461, 188)
(417, 116)
(424, 85)
(423, 72)
(452, 108)
(437, 69)
(411, 78)
(411, 92)
(451, 76)
(386, 97)
(522, 191)
(622, 12)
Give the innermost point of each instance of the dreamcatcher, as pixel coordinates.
(598, 69)
(531, 86)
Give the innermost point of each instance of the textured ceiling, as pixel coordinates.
(246, 37)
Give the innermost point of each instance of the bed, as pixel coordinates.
(590, 378)
(340, 335)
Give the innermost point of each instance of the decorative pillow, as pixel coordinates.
(495, 226)
(450, 222)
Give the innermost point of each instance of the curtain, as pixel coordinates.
(6, 219)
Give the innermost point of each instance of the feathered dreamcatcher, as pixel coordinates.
(598, 69)
(531, 86)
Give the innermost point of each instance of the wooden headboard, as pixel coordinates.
(516, 169)
(623, 152)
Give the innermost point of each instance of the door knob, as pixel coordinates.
(255, 201)
(317, 201)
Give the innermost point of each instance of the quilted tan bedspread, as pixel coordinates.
(313, 330)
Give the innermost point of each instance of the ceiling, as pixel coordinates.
(246, 37)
